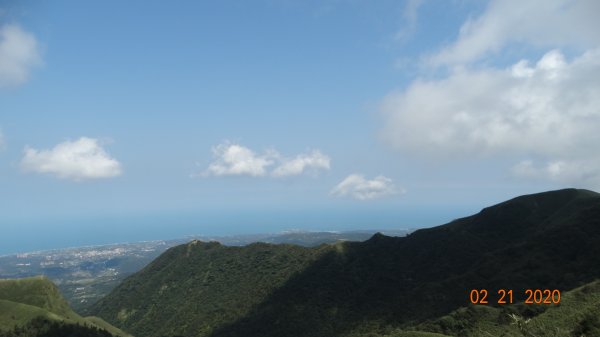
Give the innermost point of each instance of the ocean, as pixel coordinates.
(25, 235)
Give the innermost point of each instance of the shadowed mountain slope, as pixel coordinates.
(198, 286)
(546, 240)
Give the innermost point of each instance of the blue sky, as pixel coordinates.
(124, 121)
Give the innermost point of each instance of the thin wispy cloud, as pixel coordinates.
(573, 172)
(410, 16)
(232, 159)
(358, 187)
(77, 160)
(539, 23)
(19, 54)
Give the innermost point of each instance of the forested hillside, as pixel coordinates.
(548, 241)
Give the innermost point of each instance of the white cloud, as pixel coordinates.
(550, 109)
(301, 163)
(542, 116)
(357, 187)
(234, 159)
(77, 160)
(237, 160)
(18, 54)
(540, 23)
(578, 173)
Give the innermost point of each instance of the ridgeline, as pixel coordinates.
(381, 286)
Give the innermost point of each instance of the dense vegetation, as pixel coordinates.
(42, 327)
(199, 286)
(84, 275)
(382, 286)
(34, 307)
(577, 315)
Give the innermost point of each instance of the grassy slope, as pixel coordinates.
(102, 324)
(21, 300)
(577, 315)
(548, 240)
(35, 291)
(13, 314)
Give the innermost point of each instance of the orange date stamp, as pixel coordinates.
(505, 296)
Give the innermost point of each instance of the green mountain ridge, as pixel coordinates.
(173, 288)
(36, 292)
(548, 240)
(84, 275)
(35, 303)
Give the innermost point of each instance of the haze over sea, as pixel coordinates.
(61, 232)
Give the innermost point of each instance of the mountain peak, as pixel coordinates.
(552, 197)
(527, 214)
(379, 238)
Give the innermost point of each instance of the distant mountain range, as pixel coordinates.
(418, 285)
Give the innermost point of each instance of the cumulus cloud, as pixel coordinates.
(540, 23)
(234, 159)
(76, 160)
(548, 110)
(19, 53)
(540, 116)
(237, 160)
(357, 187)
(302, 163)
